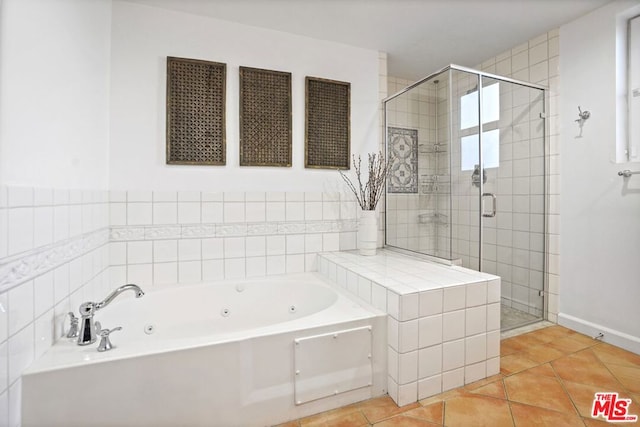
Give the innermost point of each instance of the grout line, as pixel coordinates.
(444, 411)
(609, 370)
(510, 409)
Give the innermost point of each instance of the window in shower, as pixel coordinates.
(490, 107)
(469, 122)
(490, 150)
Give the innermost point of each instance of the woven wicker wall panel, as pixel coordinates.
(327, 131)
(196, 95)
(265, 117)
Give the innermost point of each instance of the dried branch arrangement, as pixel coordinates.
(369, 194)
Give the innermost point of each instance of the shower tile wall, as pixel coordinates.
(53, 256)
(536, 61)
(402, 208)
(412, 222)
(513, 240)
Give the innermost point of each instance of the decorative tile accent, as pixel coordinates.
(14, 271)
(262, 229)
(168, 232)
(155, 232)
(403, 146)
(198, 230)
(127, 233)
(321, 227)
(291, 228)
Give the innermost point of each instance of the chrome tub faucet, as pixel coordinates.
(87, 334)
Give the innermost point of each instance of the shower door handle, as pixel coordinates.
(493, 205)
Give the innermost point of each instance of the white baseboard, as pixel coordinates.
(611, 336)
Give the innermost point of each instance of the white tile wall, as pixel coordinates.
(416, 109)
(54, 254)
(194, 236)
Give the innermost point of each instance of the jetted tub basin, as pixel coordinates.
(242, 353)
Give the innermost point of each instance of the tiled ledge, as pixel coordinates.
(406, 274)
(444, 321)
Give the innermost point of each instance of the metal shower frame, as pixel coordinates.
(480, 75)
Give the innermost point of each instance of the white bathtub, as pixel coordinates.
(243, 353)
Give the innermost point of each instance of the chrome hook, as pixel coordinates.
(582, 116)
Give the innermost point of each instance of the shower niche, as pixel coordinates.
(467, 186)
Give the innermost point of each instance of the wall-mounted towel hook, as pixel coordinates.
(627, 173)
(582, 117)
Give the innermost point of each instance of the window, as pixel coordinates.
(469, 119)
(634, 88)
(490, 150)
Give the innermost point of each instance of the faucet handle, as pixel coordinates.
(73, 326)
(105, 342)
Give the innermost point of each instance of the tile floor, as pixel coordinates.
(548, 378)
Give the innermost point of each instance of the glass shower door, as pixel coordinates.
(465, 161)
(512, 196)
(469, 181)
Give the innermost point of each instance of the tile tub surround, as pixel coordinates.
(444, 321)
(163, 237)
(61, 247)
(54, 255)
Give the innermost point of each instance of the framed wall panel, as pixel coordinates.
(328, 124)
(265, 117)
(196, 99)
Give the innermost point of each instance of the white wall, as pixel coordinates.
(600, 211)
(54, 97)
(54, 135)
(142, 39)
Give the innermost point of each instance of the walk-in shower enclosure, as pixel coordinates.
(467, 183)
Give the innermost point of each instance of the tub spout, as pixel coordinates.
(114, 294)
(88, 331)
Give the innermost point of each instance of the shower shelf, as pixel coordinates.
(434, 188)
(434, 184)
(435, 178)
(433, 218)
(432, 148)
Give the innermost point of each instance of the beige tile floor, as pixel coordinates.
(548, 378)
